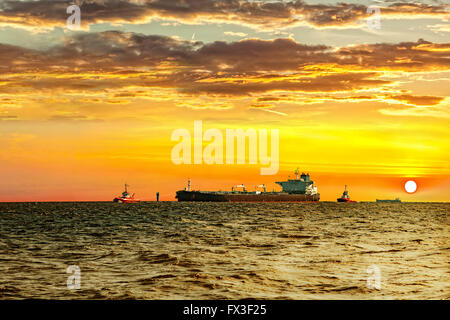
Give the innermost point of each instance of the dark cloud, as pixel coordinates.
(256, 55)
(418, 100)
(7, 117)
(268, 99)
(249, 66)
(407, 56)
(120, 52)
(68, 117)
(320, 83)
(263, 14)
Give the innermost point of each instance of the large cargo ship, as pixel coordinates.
(301, 189)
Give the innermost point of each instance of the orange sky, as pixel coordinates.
(83, 112)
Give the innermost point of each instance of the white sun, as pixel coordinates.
(410, 186)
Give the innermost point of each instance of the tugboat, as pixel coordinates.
(126, 197)
(345, 197)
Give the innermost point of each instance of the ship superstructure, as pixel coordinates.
(345, 197)
(300, 185)
(126, 197)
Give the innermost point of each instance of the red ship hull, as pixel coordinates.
(183, 195)
(125, 200)
(126, 197)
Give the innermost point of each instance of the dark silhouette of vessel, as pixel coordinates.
(301, 189)
(390, 200)
(126, 197)
(345, 197)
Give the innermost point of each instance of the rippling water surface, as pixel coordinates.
(172, 250)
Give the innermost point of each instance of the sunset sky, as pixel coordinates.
(84, 111)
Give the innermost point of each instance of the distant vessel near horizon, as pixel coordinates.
(345, 197)
(389, 200)
(126, 197)
(301, 189)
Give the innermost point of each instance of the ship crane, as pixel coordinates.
(261, 186)
(239, 186)
(188, 186)
(311, 189)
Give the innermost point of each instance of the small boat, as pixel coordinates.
(345, 197)
(389, 200)
(126, 197)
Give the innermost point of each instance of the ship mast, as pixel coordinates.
(261, 186)
(126, 187)
(345, 194)
(297, 172)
